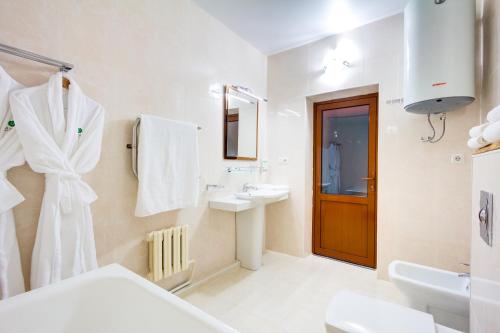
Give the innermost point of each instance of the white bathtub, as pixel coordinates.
(444, 294)
(107, 300)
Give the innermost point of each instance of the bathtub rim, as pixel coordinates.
(114, 271)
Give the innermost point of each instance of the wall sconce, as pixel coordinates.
(335, 62)
(342, 56)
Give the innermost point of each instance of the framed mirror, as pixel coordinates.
(241, 117)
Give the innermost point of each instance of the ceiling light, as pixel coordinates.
(342, 17)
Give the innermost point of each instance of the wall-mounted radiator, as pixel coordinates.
(168, 252)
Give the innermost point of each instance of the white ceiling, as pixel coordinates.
(273, 26)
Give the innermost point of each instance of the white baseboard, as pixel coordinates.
(197, 284)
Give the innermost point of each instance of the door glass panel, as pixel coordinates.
(344, 154)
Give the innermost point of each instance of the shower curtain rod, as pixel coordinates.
(63, 66)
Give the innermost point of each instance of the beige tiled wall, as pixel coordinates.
(485, 260)
(157, 57)
(423, 199)
(490, 93)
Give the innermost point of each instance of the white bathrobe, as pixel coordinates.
(11, 155)
(61, 136)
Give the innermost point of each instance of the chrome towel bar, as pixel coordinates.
(63, 66)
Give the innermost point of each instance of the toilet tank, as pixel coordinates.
(439, 55)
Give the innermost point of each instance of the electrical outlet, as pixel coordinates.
(457, 158)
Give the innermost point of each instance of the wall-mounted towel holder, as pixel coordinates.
(63, 66)
(134, 145)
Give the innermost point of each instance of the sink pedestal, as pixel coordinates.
(249, 236)
(250, 209)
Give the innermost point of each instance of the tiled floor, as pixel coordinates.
(288, 294)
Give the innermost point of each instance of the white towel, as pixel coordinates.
(492, 132)
(477, 131)
(477, 142)
(168, 166)
(494, 115)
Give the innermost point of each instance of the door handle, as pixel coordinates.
(370, 185)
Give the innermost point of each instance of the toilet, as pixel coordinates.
(349, 312)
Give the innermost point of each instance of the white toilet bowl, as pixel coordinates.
(350, 312)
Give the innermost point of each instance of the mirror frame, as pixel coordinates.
(225, 104)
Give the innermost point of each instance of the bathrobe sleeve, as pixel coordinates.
(10, 155)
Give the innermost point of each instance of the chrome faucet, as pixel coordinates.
(211, 187)
(247, 187)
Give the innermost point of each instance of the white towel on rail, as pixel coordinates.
(477, 142)
(168, 166)
(492, 132)
(494, 115)
(477, 131)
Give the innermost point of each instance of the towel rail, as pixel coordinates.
(135, 144)
(63, 66)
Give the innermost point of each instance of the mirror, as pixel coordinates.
(241, 115)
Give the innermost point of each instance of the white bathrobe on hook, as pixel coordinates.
(61, 133)
(11, 155)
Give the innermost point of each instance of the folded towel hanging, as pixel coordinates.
(477, 142)
(133, 146)
(491, 133)
(494, 115)
(477, 131)
(168, 167)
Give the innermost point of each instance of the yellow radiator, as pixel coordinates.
(168, 252)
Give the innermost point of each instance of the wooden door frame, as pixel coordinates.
(372, 139)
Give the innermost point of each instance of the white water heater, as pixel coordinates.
(439, 55)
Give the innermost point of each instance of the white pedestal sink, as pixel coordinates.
(250, 219)
(250, 236)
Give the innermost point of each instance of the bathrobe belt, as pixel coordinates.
(71, 189)
(9, 195)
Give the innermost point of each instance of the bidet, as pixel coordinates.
(442, 293)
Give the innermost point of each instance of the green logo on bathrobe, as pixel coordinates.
(79, 131)
(10, 125)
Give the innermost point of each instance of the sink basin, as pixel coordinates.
(263, 194)
(231, 204)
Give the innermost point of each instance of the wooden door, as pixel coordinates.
(345, 171)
